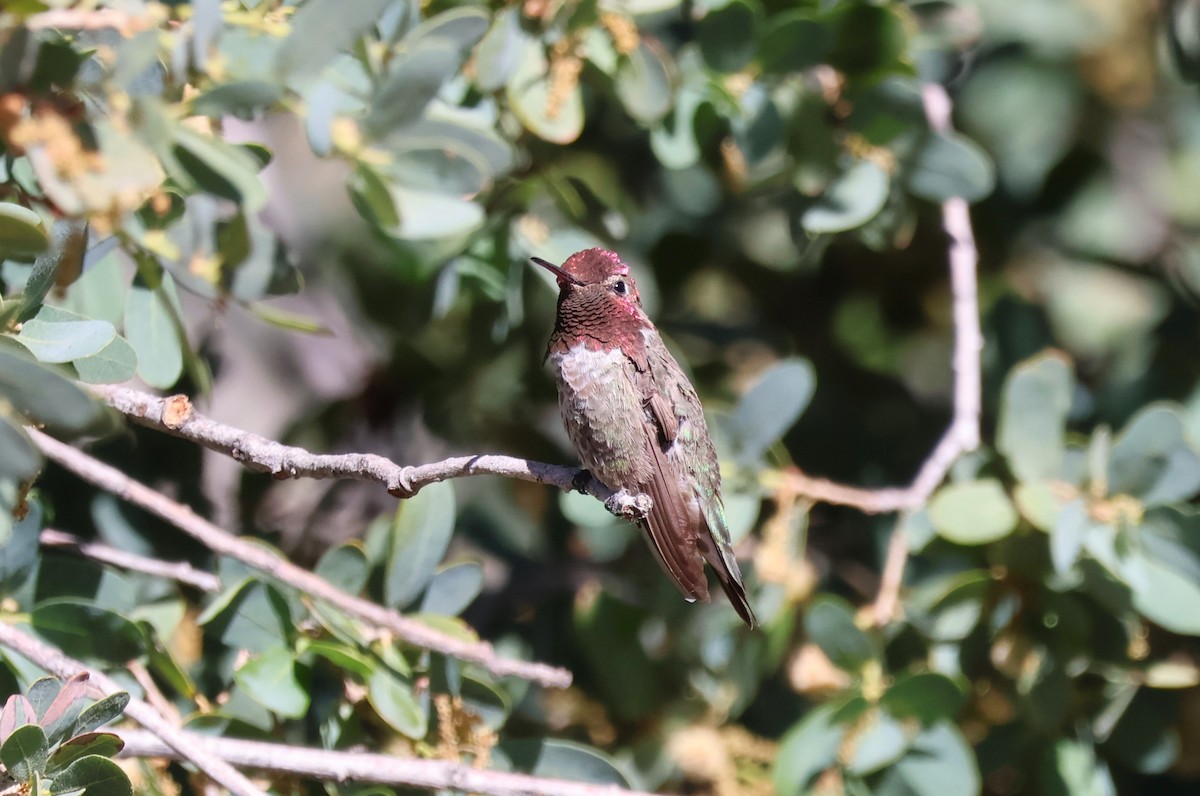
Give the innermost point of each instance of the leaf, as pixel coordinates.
(794, 42)
(529, 96)
(113, 364)
(1167, 597)
(42, 394)
(104, 744)
(243, 99)
(1033, 417)
(829, 623)
(1073, 769)
(100, 713)
(220, 168)
(431, 216)
(807, 749)
(645, 82)
(86, 630)
(453, 588)
(61, 264)
(500, 50)
(320, 30)
(727, 35)
(25, 752)
(394, 701)
(19, 460)
(771, 407)
(1152, 460)
(940, 762)
(98, 775)
(269, 678)
(253, 617)
(420, 534)
(342, 656)
(17, 712)
(879, 744)
(65, 341)
(463, 27)
(927, 697)
(21, 231)
(562, 760)
(851, 200)
(345, 567)
(411, 83)
(60, 716)
(952, 165)
(973, 512)
(153, 334)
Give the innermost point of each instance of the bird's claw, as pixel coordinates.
(580, 482)
(634, 508)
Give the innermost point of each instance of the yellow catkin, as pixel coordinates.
(623, 31)
(565, 68)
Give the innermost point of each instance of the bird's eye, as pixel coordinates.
(619, 287)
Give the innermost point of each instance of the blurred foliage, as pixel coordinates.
(318, 214)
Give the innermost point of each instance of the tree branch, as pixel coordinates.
(182, 743)
(223, 543)
(326, 765)
(180, 571)
(963, 434)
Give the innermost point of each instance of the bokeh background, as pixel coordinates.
(316, 218)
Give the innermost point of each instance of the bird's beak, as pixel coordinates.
(564, 278)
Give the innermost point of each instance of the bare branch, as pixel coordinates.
(380, 769)
(223, 543)
(963, 434)
(182, 743)
(176, 415)
(180, 571)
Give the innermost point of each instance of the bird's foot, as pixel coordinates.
(580, 482)
(634, 508)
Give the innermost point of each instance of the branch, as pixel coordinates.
(180, 571)
(380, 769)
(176, 415)
(183, 744)
(223, 543)
(963, 434)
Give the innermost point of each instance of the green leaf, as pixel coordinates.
(254, 617)
(528, 91)
(432, 216)
(1152, 460)
(879, 744)
(829, 623)
(345, 567)
(17, 712)
(411, 83)
(771, 407)
(66, 340)
(957, 612)
(86, 630)
(269, 678)
(940, 762)
(320, 30)
(394, 701)
(973, 512)
(562, 760)
(453, 588)
(500, 50)
(62, 263)
(104, 744)
(794, 42)
(927, 697)
(342, 656)
(19, 457)
(21, 231)
(25, 752)
(1166, 597)
(1033, 417)
(952, 165)
(60, 716)
(419, 537)
(98, 775)
(1072, 768)
(243, 99)
(808, 749)
(727, 35)
(851, 200)
(150, 325)
(644, 82)
(463, 27)
(113, 364)
(100, 713)
(220, 168)
(41, 393)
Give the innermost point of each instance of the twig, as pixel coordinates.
(328, 765)
(963, 434)
(223, 543)
(184, 744)
(176, 415)
(180, 571)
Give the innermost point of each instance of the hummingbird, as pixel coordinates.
(637, 424)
